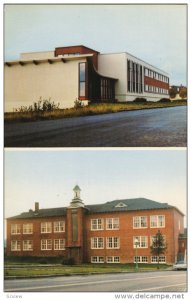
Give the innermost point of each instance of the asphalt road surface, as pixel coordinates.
(164, 127)
(163, 281)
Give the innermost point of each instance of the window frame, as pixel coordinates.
(113, 222)
(17, 229)
(48, 244)
(97, 225)
(157, 221)
(97, 243)
(57, 224)
(28, 228)
(112, 242)
(139, 222)
(27, 245)
(46, 225)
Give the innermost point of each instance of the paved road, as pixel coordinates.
(164, 127)
(163, 281)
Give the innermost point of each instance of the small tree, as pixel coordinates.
(158, 246)
(183, 92)
(172, 92)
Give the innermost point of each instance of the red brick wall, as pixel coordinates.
(82, 247)
(156, 83)
(36, 236)
(126, 233)
(77, 49)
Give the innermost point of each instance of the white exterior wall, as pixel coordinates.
(115, 65)
(24, 85)
(37, 55)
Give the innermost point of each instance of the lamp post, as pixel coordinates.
(136, 245)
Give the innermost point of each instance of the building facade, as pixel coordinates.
(79, 73)
(119, 231)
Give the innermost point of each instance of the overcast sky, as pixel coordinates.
(154, 33)
(48, 177)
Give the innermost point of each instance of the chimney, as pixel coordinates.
(36, 206)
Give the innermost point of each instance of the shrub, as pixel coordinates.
(78, 104)
(164, 100)
(140, 100)
(40, 106)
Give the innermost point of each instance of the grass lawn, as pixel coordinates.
(30, 270)
(92, 109)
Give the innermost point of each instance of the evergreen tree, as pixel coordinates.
(158, 246)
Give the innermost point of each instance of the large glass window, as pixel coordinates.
(82, 79)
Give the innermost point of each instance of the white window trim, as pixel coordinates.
(59, 244)
(27, 245)
(155, 262)
(46, 227)
(97, 229)
(112, 237)
(113, 260)
(16, 245)
(97, 242)
(107, 223)
(58, 222)
(27, 227)
(140, 227)
(17, 226)
(140, 241)
(141, 259)
(157, 226)
(46, 244)
(97, 258)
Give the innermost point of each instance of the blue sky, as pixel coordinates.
(154, 33)
(48, 177)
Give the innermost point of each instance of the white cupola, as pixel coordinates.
(76, 201)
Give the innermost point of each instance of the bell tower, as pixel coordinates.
(76, 201)
(75, 227)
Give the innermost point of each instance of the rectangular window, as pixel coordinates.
(140, 242)
(157, 221)
(141, 259)
(113, 259)
(97, 243)
(46, 244)
(97, 259)
(59, 244)
(112, 242)
(146, 72)
(140, 222)
(15, 245)
(27, 245)
(112, 223)
(28, 228)
(82, 79)
(59, 226)
(97, 224)
(15, 228)
(46, 227)
(162, 259)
